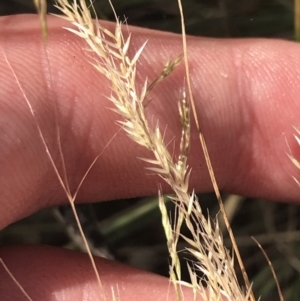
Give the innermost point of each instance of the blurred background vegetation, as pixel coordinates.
(130, 230)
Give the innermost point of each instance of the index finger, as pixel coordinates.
(247, 99)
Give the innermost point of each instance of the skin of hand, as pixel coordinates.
(247, 97)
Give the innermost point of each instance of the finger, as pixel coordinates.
(48, 273)
(247, 100)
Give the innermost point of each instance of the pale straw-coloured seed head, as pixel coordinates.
(212, 259)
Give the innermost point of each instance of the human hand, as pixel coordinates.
(247, 99)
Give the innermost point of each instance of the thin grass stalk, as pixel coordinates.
(13, 278)
(41, 6)
(62, 177)
(281, 298)
(297, 19)
(207, 157)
